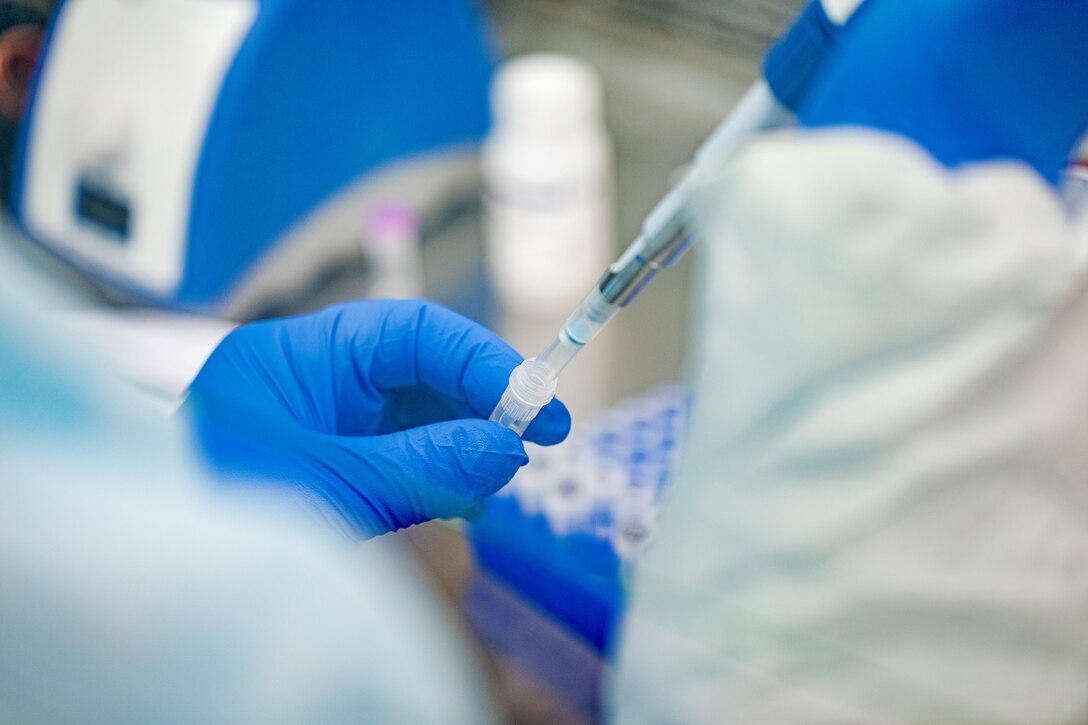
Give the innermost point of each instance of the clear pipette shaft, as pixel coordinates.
(664, 239)
(665, 233)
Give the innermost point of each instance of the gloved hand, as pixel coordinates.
(372, 407)
(969, 80)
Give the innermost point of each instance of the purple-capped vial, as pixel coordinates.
(391, 241)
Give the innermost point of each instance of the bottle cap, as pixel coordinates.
(548, 94)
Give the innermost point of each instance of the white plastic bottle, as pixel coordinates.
(548, 181)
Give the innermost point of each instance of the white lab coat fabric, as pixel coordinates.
(883, 512)
(133, 591)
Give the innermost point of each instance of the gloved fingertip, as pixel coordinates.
(551, 425)
(488, 453)
(475, 511)
(505, 440)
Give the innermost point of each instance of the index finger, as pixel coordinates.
(423, 343)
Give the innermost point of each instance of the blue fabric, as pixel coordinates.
(372, 407)
(796, 57)
(574, 578)
(969, 80)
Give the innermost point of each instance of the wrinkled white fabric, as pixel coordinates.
(882, 516)
(133, 591)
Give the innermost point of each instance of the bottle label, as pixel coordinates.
(548, 245)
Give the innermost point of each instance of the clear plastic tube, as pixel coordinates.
(592, 315)
(532, 386)
(559, 352)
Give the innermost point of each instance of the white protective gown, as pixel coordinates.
(134, 591)
(883, 512)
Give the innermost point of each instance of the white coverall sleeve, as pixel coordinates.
(133, 591)
(882, 516)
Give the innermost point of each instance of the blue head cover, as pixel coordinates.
(969, 80)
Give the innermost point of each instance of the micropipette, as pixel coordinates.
(664, 238)
(666, 234)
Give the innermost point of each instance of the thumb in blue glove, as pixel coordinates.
(373, 409)
(969, 80)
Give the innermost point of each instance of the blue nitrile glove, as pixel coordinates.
(969, 80)
(373, 408)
